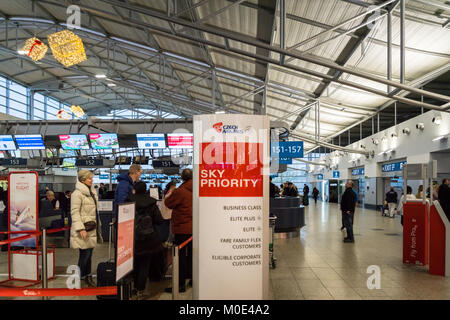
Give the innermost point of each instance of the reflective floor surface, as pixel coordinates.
(317, 265)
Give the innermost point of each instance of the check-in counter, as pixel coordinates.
(290, 215)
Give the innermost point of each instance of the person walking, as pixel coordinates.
(305, 195)
(348, 204)
(444, 197)
(85, 232)
(315, 194)
(180, 201)
(391, 199)
(409, 196)
(147, 242)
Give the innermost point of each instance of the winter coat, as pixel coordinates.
(180, 201)
(146, 205)
(83, 209)
(124, 189)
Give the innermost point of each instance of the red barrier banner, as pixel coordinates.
(439, 237)
(415, 233)
(57, 292)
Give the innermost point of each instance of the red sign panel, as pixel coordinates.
(415, 233)
(231, 170)
(437, 243)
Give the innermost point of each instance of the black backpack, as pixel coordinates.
(143, 229)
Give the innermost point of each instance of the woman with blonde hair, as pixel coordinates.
(86, 228)
(419, 192)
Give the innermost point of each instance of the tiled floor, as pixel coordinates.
(318, 265)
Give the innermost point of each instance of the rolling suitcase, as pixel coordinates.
(106, 271)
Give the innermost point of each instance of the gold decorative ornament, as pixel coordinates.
(77, 111)
(67, 47)
(63, 115)
(35, 48)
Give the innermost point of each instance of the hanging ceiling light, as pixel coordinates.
(63, 115)
(437, 120)
(67, 47)
(77, 111)
(34, 48)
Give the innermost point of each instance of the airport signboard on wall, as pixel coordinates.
(230, 207)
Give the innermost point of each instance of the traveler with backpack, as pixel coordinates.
(147, 242)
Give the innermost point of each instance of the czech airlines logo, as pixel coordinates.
(218, 126)
(221, 128)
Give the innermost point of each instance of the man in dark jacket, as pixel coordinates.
(391, 199)
(147, 242)
(305, 195)
(444, 197)
(273, 189)
(180, 201)
(348, 203)
(125, 184)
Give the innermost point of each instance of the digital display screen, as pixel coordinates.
(151, 141)
(104, 141)
(7, 142)
(30, 142)
(74, 142)
(180, 140)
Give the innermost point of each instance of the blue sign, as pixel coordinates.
(287, 149)
(30, 142)
(395, 166)
(320, 176)
(285, 161)
(335, 174)
(358, 172)
(104, 177)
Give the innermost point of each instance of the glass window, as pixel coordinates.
(2, 95)
(38, 114)
(17, 88)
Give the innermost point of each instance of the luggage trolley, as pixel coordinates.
(272, 261)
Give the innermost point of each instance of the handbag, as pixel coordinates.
(90, 225)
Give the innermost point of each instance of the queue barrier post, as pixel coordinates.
(175, 272)
(44, 262)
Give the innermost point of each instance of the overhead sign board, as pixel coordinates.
(395, 166)
(358, 172)
(89, 162)
(336, 174)
(151, 140)
(320, 176)
(287, 149)
(14, 162)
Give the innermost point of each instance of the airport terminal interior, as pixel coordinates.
(327, 124)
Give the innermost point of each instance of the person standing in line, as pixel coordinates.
(315, 194)
(147, 242)
(391, 199)
(409, 196)
(444, 197)
(419, 193)
(125, 184)
(167, 213)
(348, 204)
(180, 201)
(85, 232)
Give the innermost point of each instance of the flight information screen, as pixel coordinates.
(74, 142)
(7, 143)
(104, 141)
(180, 140)
(30, 142)
(151, 141)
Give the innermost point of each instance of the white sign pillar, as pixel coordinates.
(231, 207)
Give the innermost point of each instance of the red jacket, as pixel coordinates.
(180, 201)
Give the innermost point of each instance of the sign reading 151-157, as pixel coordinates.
(287, 149)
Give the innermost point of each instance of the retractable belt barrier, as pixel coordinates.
(50, 292)
(175, 267)
(57, 292)
(31, 235)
